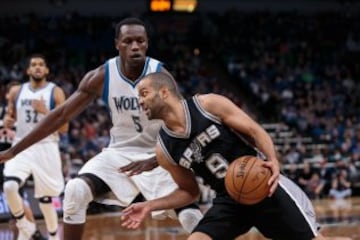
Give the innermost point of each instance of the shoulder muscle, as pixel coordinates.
(93, 82)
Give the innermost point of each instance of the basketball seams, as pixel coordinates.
(233, 189)
(246, 175)
(235, 184)
(260, 184)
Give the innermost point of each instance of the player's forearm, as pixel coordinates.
(8, 120)
(265, 144)
(177, 199)
(55, 119)
(51, 123)
(64, 128)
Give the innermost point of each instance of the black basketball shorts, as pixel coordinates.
(288, 214)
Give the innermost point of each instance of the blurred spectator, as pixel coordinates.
(300, 70)
(292, 155)
(292, 172)
(326, 174)
(341, 186)
(314, 186)
(305, 174)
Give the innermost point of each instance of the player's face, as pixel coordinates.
(132, 44)
(37, 69)
(149, 100)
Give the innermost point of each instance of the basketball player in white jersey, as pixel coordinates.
(28, 104)
(133, 136)
(6, 139)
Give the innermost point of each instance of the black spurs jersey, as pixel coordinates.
(207, 147)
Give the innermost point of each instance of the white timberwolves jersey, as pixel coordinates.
(26, 116)
(131, 132)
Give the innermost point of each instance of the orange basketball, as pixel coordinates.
(246, 180)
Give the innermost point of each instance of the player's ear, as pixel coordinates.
(163, 92)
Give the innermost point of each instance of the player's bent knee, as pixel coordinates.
(11, 186)
(77, 196)
(189, 218)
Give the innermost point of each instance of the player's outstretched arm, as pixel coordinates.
(232, 116)
(89, 88)
(188, 192)
(59, 98)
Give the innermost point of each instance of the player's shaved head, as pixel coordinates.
(160, 79)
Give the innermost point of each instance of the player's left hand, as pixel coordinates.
(134, 215)
(275, 175)
(138, 167)
(39, 105)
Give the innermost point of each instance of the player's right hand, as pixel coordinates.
(6, 155)
(138, 167)
(39, 105)
(134, 215)
(275, 175)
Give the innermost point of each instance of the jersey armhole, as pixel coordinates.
(52, 98)
(105, 93)
(159, 67)
(166, 153)
(16, 99)
(204, 112)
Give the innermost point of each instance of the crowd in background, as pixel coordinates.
(301, 71)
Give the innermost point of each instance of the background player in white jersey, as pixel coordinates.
(133, 137)
(6, 138)
(28, 104)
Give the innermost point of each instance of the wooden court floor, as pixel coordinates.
(338, 218)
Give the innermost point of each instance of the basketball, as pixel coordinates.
(246, 180)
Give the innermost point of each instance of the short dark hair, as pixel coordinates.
(160, 79)
(128, 21)
(36, 55)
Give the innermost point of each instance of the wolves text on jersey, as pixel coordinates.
(25, 102)
(126, 103)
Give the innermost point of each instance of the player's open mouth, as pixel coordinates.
(135, 56)
(146, 110)
(143, 107)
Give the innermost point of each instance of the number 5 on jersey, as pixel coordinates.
(137, 123)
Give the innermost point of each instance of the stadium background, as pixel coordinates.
(292, 65)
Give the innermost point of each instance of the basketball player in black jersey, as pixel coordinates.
(203, 135)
